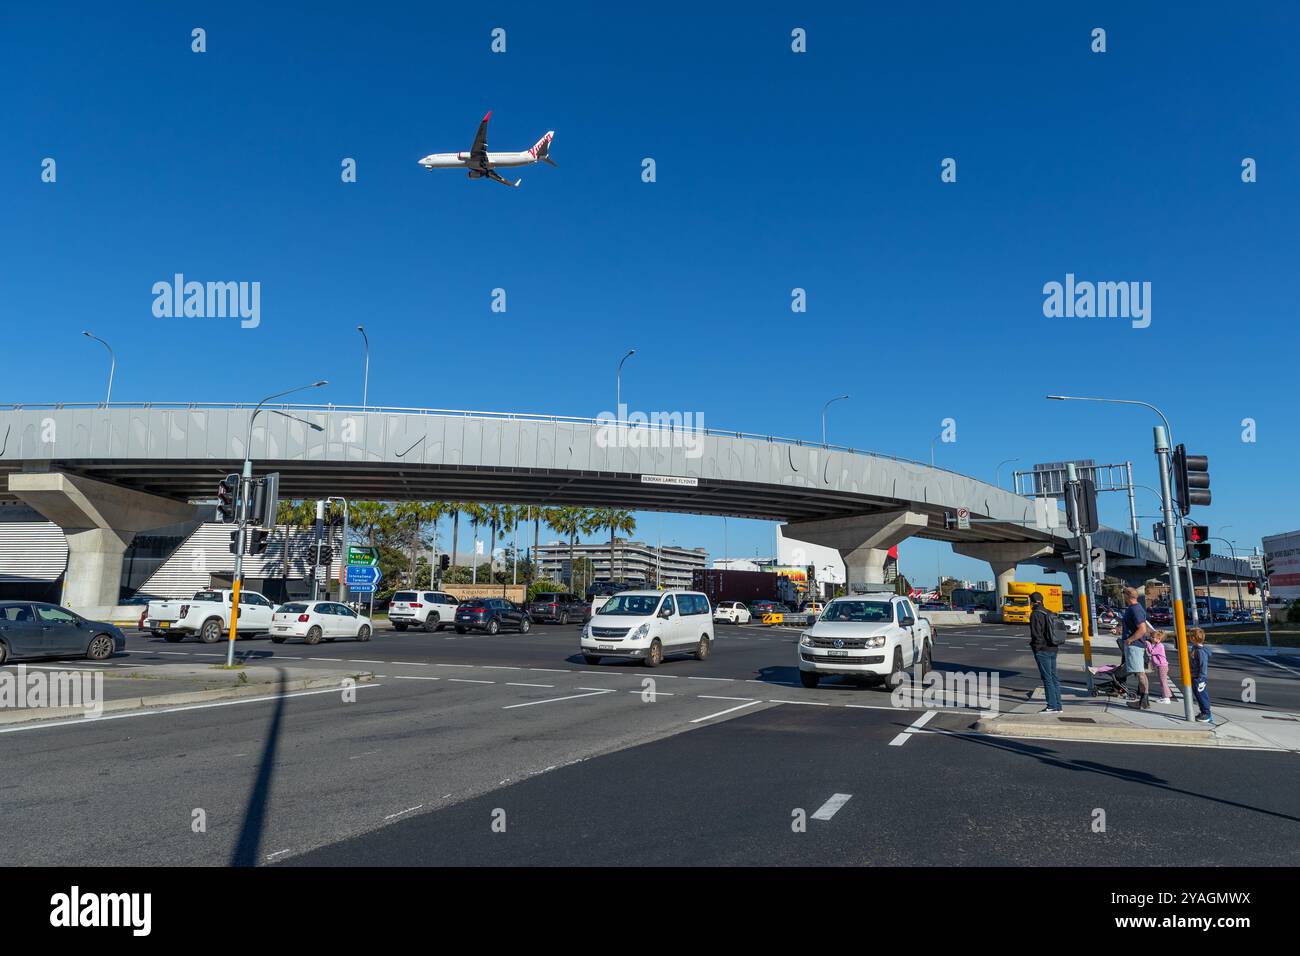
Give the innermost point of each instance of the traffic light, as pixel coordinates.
(324, 555)
(1191, 479)
(444, 562)
(1197, 537)
(1081, 506)
(227, 493)
(257, 540)
(265, 502)
(1250, 587)
(234, 542)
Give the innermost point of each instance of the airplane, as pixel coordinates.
(481, 163)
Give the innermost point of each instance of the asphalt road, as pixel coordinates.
(705, 764)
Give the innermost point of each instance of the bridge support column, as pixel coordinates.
(99, 520)
(863, 541)
(1002, 558)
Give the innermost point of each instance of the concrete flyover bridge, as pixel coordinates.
(104, 473)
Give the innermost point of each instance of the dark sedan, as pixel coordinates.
(30, 629)
(491, 615)
(559, 607)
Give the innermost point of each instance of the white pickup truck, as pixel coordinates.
(872, 636)
(207, 614)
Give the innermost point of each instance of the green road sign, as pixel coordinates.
(363, 557)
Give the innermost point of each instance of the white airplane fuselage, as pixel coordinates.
(462, 160)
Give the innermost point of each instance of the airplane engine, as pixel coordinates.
(476, 174)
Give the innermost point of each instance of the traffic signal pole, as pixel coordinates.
(316, 549)
(245, 493)
(1082, 588)
(1175, 585)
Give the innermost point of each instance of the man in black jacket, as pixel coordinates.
(1040, 627)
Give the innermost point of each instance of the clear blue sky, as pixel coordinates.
(775, 171)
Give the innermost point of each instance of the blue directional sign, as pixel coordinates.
(361, 588)
(359, 575)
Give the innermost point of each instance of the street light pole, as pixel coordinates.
(1165, 464)
(365, 382)
(618, 385)
(997, 472)
(838, 398)
(245, 492)
(112, 367)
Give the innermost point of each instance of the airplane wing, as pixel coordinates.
(493, 174)
(478, 152)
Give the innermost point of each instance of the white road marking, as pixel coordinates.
(1283, 666)
(729, 710)
(415, 677)
(551, 670)
(394, 816)
(832, 806)
(712, 678)
(149, 712)
(715, 697)
(466, 680)
(517, 684)
(408, 663)
(556, 700)
(272, 856)
(915, 726)
(809, 703)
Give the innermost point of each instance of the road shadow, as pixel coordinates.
(259, 798)
(1053, 758)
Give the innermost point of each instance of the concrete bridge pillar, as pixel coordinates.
(1002, 558)
(99, 520)
(863, 541)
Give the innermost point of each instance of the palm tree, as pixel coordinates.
(476, 514)
(412, 515)
(615, 519)
(293, 514)
(567, 521)
(454, 508)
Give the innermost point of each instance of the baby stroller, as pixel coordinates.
(1112, 681)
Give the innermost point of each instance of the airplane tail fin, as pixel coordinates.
(542, 148)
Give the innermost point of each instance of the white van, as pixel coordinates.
(648, 626)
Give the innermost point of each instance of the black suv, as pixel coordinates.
(559, 607)
(491, 615)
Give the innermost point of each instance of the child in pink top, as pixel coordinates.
(1161, 663)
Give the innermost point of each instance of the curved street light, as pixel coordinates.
(618, 384)
(112, 365)
(997, 472)
(365, 382)
(838, 398)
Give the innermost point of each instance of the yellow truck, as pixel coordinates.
(1015, 607)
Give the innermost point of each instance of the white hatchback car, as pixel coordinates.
(733, 612)
(648, 626)
(1073, 623)
(315, 621)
